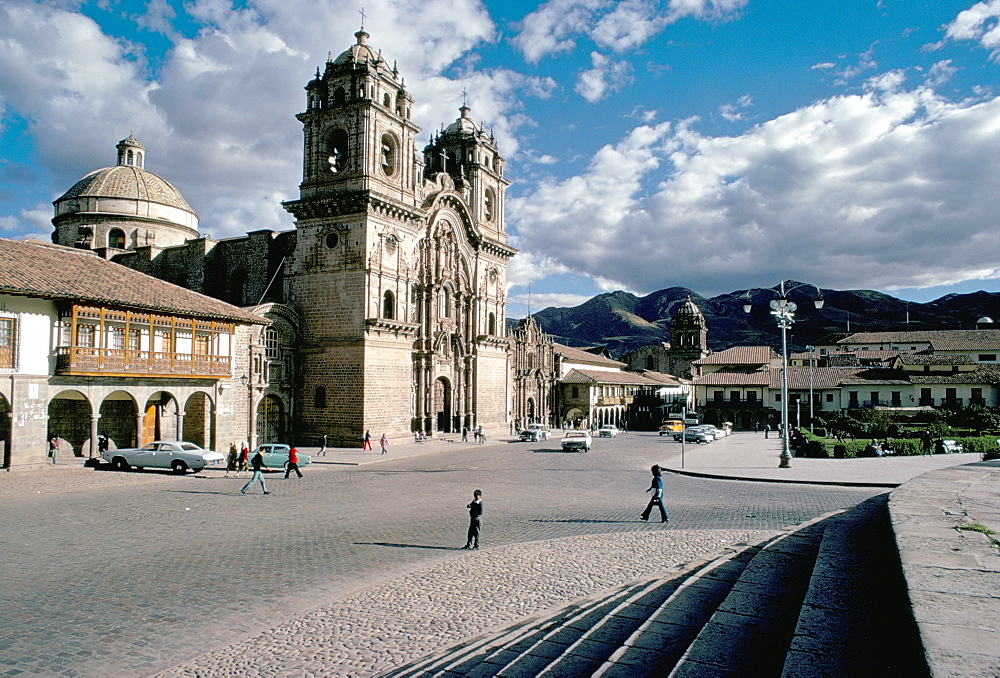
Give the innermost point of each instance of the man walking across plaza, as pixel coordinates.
(257, 462)
(475, 520)
(656, 487)
(293, 463)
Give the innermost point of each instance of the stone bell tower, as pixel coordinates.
(398, 271)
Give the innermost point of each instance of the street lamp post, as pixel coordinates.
(811, 400)
(783, 311)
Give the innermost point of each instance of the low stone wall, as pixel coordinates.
(951, 563)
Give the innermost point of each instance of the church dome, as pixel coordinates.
(688, 309)
(463, 125)
(358, 52)
(123, 207)
(128, 182)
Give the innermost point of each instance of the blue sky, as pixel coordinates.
(713, 144)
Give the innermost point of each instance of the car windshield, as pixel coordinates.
(576, 434)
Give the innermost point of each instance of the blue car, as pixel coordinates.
(276, 456)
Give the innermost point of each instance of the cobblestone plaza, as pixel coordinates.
(353, 569)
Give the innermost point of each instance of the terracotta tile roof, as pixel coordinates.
(579, 355)
(739, 355)
(734, 378)
(941, 340)
(665, 379)
(932, 359)
(984, 375)
(35, 269)
(578, 376)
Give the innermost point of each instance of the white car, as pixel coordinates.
(608, 431)
(576, 441)
(715, 432)
(175, 455)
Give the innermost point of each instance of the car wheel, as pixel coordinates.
(178, 466)
(119, 464)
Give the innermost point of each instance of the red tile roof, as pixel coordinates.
(739, 355)
(35, 269)
(579, 355)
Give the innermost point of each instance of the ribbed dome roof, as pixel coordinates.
(463, 123)
(129, 182)
(688, 308)
(358, 52)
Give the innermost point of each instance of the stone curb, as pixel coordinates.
(792, 481)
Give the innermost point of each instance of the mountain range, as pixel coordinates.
(622, 321)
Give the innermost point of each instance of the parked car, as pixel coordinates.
(535, 433)
(276, 455)
(671, 426)
(713, 431)
(576, 441)
(946, 446)
(608, 431)
(175, 455)
(695, 434)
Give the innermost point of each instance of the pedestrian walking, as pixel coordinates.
(322, 450)
(475, 520)
(480, 435)
(54, 448)
(233, 459)
(244, 461)
(756, 427)
(384, 444)
(258, 473)
(368, 442)
(465, 434)
(103, 442)
(656, 487)
(293, 463)
(767, 431)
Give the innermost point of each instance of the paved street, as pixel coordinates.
(137, 577)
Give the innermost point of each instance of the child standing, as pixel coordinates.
(475, 520)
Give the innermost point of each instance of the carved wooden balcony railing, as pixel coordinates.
(78, 360)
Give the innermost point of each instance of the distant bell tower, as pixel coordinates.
(688, 338)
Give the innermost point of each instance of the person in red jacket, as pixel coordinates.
(293, 463)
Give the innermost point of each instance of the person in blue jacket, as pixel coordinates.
(657, 500)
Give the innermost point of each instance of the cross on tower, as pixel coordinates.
(464, 97)
(363, 16)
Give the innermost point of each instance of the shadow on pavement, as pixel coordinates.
(406, 546)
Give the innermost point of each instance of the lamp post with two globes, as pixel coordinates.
(783, 311)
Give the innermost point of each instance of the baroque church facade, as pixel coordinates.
(387, 300)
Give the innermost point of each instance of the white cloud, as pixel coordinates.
(605, 77)
(536, 302)
(217, 117)
(732, 111)
(824, 65)
(980, 23)
(888, 188)
(626, 24)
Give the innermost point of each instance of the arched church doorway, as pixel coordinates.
(270, 420)
(119, 414)
(442, 404)
(531, 410)
(69, 419)
(4, 431)
(199, 421)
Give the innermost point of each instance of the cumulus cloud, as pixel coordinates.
(217, 112)
(605, 77)
(980, 23)
(860, 190)
(733, 112)
(555, 27)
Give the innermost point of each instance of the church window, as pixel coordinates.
(271, 343)
(576, 392)
(337, 151)
(332, 240)
(531, 361)
(492, 326)
(444, 303)
(489, 204)
(339, 96)
(319, 398)
(128, 161)
(389, 305)
(388, 155)
(386, 101)
(418, 305)
(116, 238)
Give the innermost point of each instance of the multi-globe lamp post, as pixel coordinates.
(783, 311)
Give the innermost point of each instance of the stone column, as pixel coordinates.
(138, 428)
(93, 435)
(179, 416)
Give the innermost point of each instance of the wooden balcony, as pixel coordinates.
(106, 362)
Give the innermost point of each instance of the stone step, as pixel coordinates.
(750, 632)
(856, 619)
